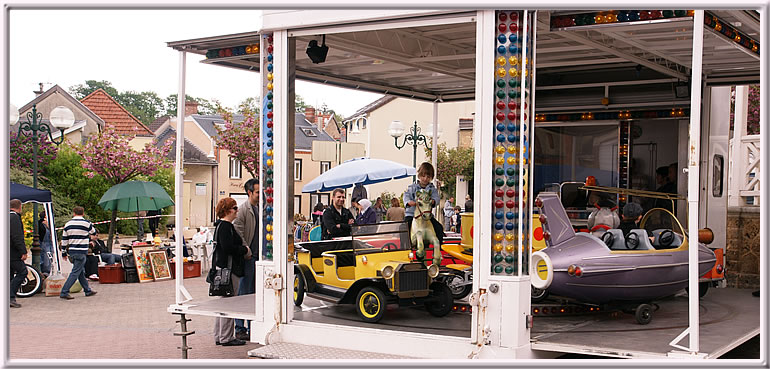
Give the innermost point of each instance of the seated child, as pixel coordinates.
(425, 174)
(632, 214)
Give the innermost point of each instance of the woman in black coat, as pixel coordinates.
(229, 244)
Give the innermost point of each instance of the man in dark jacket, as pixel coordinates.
(336, 220)
(18, 251)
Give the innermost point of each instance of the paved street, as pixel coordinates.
(123, 321)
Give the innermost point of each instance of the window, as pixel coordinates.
(325, 165)
(297, 169)
(235, 168)
(297, 204)
(309, 132)
(718, 176)
(315, 198)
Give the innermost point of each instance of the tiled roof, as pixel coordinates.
(208, 122)
(192, 154)
(159, 122)
(56, 89)
(305, 133)
(374, 105)
(103, 105)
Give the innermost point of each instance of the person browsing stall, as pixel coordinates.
(425, 174)
(229, 245)
(368, 215)
(395, 212)
(248, 228)
(18, 252)
(336, 220)
(75, 240)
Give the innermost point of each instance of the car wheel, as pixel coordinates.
(643, 314)
(703, 288)
(455, 283)
(538, 295)
(370, 304)
(299, 289)
(442, 301)
(32, 284)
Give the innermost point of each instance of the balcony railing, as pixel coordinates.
(744, 174)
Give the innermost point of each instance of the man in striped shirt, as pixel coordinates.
(74, 241)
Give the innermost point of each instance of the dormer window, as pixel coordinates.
(309, 132)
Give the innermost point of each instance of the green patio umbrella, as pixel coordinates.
(135, 196)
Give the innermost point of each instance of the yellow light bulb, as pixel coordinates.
(498, 237)
(270, 86)
(269, 162)
(501, 61)
(500, 160)
(509, 237)
(269, 237)
(509, 248)
(270, 152)
(513, 72)
(498, 247)
(513, 60)
(501, 72)
(511, 160)
(270, 76)
(512, 149)
(269, 228)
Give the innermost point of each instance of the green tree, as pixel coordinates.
(249, 105)
(205, 107)
(299, 104)
(82, 90)
(145, 106)
(451, 163)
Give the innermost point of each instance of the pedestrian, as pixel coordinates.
(468, 204)
(18, 251)
(457, 219)
(46, 245)
(140, 225)
(318, 210)
(396, 212)
(75, 240)
(367, 216)
(379, 209)
(449, 211)
(248, 228)
(229, 245)
(154, 221)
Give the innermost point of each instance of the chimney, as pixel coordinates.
(310, 114)
(190, 107)
(319, 120)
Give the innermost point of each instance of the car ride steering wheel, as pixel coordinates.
(389, 246)
(666, 238)
(632, 241)
(608, 238)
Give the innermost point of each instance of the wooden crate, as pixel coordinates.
(191, 269)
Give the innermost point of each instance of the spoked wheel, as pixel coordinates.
(31, 284)
(370, 304)
(538, 295)
(456, 285)
(442, 303)
(643, 314)
(299, 289)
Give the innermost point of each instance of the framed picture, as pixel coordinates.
(159, 262)
(143, 265)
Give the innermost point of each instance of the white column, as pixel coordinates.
(179, 182)
(693, 180)
(434, 158)
(281, 172)
(737, 153)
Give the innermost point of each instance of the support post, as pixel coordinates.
(184, 333)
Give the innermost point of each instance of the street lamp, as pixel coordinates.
(61, 118)
(414, 137)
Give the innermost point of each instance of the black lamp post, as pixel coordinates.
(413, 138)
(61, 118)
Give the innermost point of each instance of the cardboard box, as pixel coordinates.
(111, 274)
(191, 269)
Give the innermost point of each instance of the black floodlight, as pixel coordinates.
(682, 90)
(317, 54)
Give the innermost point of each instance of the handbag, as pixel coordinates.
(219, 279)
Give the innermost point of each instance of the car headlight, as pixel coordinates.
(433, 271)
(387, 272)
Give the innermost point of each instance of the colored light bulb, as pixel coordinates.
(509, 248)
(497, 247)
(499, 214)
(498, 269)
(500, 149)
(498, 226)
(501, 72)
(509, 237)
(500, 160)
(498, 237)
(498, 257)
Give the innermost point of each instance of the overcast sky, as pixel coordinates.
(128, 48)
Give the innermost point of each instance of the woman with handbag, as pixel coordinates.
(229, 253)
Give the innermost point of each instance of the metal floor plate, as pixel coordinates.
(283, 350)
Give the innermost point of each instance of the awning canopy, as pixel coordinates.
(436, 61)
(29, 194)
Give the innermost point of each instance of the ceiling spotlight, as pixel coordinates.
(317, 54)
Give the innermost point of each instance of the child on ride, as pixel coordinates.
(425, 174)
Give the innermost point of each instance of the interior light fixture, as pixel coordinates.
(317, 54)
(682, 90)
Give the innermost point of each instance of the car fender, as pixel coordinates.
(352, 292)
(307, 275)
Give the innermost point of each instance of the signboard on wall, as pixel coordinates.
(200, 189)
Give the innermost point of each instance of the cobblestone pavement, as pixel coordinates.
(122, 321)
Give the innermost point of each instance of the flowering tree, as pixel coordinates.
(241, 140)
(21, 151)
(752, 115)
(108, 154)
